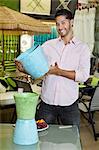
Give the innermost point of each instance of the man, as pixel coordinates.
(69, 59)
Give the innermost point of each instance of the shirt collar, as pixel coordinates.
(73, 40)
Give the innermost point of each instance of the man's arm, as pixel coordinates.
(60, 72)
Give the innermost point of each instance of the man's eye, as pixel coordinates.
(57, 24)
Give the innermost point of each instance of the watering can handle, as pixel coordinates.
(35, 47)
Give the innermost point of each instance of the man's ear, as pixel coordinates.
(72, 22)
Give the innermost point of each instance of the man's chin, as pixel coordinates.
(62, 35)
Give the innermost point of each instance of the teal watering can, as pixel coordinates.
(34, 62)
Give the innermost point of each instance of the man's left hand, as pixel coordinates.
(54, 70)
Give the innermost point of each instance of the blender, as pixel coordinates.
(25, 132)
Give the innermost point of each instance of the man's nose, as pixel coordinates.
(60, 26)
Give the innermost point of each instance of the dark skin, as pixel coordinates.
(55, 70)
(19, 66)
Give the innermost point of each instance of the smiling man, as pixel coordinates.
(69, 59)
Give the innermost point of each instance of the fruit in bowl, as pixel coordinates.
(41, 125)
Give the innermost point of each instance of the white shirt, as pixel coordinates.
(58, 90)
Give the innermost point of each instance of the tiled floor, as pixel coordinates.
(86, 134)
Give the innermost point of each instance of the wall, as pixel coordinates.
(13, 4)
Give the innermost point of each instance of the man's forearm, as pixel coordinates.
(60, 72)
(67, 74)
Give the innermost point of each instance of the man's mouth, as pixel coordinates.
(61, 31)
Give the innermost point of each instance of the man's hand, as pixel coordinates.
(19, 66)
(54, 70)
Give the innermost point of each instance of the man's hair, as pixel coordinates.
(64, 12)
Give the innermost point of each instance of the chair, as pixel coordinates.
(88, 105)
(7, 107)
(23, 84)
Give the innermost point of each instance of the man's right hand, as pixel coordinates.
(19, 66)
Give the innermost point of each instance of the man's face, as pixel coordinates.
(63, 25)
